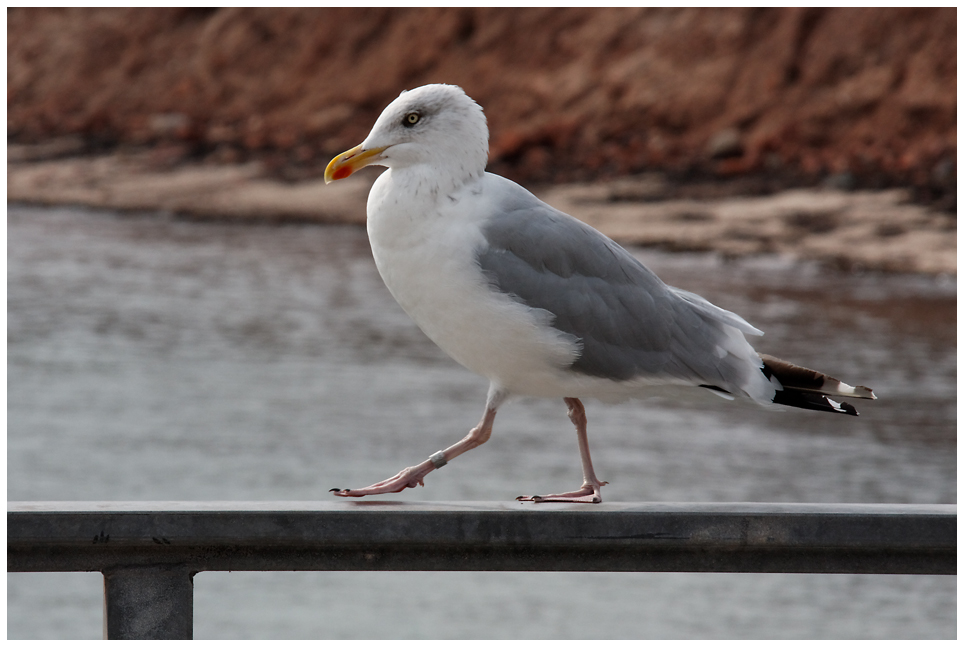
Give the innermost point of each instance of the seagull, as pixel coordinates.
(534, 300)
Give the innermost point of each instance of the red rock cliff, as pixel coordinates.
(570, 93)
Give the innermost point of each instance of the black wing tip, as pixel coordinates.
(812, 401)
(846, 408)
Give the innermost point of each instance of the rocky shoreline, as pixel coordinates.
(852, 230)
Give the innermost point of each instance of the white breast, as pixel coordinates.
(427, 258)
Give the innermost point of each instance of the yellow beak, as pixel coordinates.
(351, 161)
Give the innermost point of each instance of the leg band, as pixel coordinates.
(438, 459)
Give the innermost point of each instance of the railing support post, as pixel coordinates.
(149, 602)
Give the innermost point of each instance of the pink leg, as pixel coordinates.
(414, 475)
(589, 493)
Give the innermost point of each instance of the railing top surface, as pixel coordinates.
(399, 535)
(386, 506)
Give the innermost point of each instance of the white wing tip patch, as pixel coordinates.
(857, 392)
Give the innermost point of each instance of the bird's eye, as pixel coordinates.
(411, 119)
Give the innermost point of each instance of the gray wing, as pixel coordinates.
(630, 324)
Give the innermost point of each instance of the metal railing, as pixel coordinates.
(150, 551)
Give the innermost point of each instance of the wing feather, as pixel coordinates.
(629, 323)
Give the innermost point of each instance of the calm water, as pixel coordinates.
(151, 358)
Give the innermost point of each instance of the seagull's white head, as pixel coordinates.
(435, 125)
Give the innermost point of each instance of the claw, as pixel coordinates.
(586, 495)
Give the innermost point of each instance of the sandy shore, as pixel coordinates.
(878, 230)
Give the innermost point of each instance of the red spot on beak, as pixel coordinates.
(342, 173)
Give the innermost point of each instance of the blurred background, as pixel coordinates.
(193, 316)
(570, 94)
